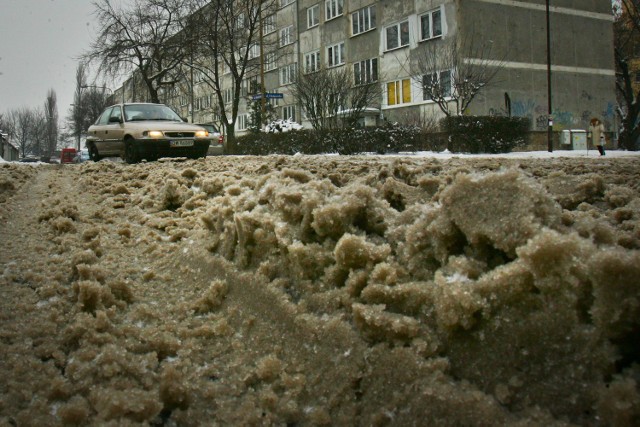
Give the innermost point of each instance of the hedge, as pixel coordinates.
(380, 140)
(485, 134)
(462, 135)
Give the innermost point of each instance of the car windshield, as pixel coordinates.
(149, 112)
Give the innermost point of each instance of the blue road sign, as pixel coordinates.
(268, 95)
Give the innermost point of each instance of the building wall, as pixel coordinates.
(583, 74)
(583, 78)
(8, 151)
(397, 64)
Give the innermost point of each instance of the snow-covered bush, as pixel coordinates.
(278, 126)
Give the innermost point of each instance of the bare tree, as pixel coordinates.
(75, 119)
(227, 40)
(51, 123)
(38, 133)
(331, 99)
(6, 125)
(428, 121)
(453, 72)
(627, 47)
(146, 38)
(88, 102)
(23, 122)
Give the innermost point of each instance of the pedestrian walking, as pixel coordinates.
(596, 130)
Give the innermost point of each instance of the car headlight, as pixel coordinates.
(202, 133)
(154, 134)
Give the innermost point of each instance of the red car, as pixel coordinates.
(67, 155)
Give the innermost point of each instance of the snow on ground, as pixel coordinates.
(322, 290)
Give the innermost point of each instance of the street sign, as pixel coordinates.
(268, 95)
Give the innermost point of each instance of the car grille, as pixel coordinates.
(180, 134)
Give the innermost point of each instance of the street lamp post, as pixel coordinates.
(80, 116)
(550, 117)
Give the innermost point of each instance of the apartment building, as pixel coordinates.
(382, 40)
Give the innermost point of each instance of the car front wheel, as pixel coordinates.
(93, 153)
(131, 154)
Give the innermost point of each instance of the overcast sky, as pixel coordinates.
(40, 41)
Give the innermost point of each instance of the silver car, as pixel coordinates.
(139, 131)
(217, 143)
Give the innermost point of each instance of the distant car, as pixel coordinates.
(139, 131)
(217, 143)
(29, 160)
(82, 156)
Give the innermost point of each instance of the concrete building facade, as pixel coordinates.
(380, 40)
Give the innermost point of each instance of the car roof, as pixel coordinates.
(137, 103)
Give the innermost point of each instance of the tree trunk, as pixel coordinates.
(630, 131)
(230, 139)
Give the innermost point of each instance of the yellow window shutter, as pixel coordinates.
(406, 90)
(391, 93)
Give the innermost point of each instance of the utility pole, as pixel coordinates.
(191, 91)
(550, 118)
(263, 106)
(79, 117)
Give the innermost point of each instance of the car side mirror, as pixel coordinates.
(115, 120)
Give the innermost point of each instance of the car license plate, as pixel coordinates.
(181, 143)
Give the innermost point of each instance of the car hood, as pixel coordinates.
(161, 125)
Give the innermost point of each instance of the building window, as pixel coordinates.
(242, 122)
(254, 51)
(227, 95)
(333, 8)
(397, 35)
(363, 20)
(270, 61)
(431, 25)
(313, 16)
(239, 22)
(269, 24)
(312, 62)
(287, 74)
(335, 55)
(274, 102)
(244, 87)
(439, 83)
(284, 3)
(365, 71)
(399, 92)
(249, 86)
(289, 113)
(286, 36)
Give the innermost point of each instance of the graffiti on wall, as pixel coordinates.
(562, 119)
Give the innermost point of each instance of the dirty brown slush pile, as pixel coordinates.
(321, 291)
